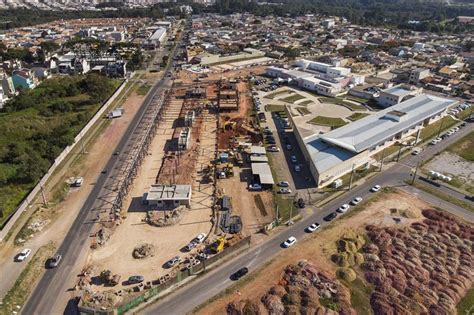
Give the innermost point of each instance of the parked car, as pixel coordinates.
(436, 141)
(343, 208)
(255, 186)
(330, 216)
(200, 237)
(53, 262)
(297, 168)
(300, 203)
(135, 279)
(284, 191)
(356, 200)
(313, 227)
(190, 246)
(289, 242)
(375, 188)
(272, 142)
(273, 148)
(293, 159)
(239, 273)
(289, 147)
(283, 184)
(23, 254)
(173, 261)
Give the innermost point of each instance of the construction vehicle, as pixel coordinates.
(225, 170)
(218, 245)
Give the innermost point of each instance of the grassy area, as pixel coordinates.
(465, 113)
(341, 102)
(25, 282)
(292, 98)
(38, 124)
(466, 305)
(359, 173)
(464, 147)
(388, 151)
(357, 116)
(305, 103)
(444, 196)
(327, 121)
(285, 207)
(274, 108)
(432, 130)
(303, 111)
(360, 295)
(143, 89)
(274, 94)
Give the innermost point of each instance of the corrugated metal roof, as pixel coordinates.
(377, 128)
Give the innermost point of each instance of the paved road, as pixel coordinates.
(203, 289)
(73, 248)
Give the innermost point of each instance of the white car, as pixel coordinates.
(273, 149)
(289, 242)
(356, 200)
(343, 208)
(297, 168)
(255, 187)
(375, 188)
(284, 191)
(435, 141)
(200, 237)
(284, 184)
(23, 254)
(313, 227)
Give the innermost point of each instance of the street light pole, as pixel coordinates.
(381, 161)
(414, 175)
(352, 175)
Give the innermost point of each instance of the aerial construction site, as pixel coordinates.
(177, 202)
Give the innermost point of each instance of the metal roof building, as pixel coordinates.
(263, 173)
(337, 152)
(168, 196)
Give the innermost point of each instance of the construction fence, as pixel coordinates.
(156, 290)
(41, 184)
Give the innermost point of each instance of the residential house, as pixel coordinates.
(24, 78)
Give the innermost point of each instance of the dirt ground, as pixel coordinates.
(116, 254)
(243, 203)
(320, 246)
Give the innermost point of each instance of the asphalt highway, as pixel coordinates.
(52, 285)
(185, 299)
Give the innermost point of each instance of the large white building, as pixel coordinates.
(336, 153)
(396, 95)
(322, 78)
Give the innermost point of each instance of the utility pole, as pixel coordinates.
(277, 214)
(414, 175)
(43, 195)
(82, 146)
(399, 152)
(381, 161)
(352, 176)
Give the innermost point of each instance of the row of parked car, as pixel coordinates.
(449, 133)
(331, 216)
(456, 110)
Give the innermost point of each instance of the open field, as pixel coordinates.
(275, 94)
(464, 147)
(342, 254)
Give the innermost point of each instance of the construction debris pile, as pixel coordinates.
(143, 251)
(425, 268)
(101, 237)
(301, 290)
(172, 217)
